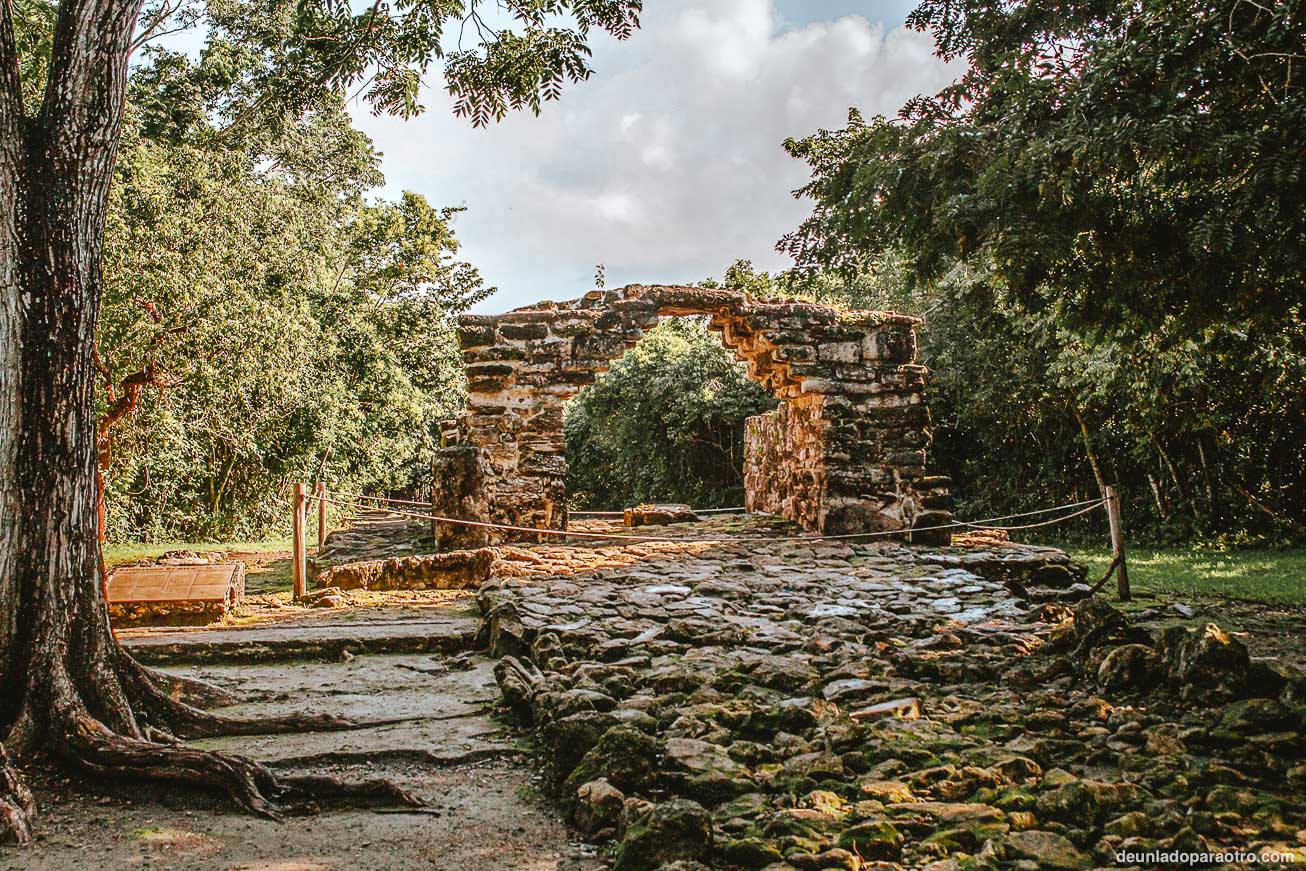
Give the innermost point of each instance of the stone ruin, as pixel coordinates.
(845, 451)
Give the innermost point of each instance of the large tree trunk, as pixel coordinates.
(67, 689)
(11, 157)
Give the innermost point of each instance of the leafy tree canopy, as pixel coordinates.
(1126, 167)
(285, 326)
(266, 58)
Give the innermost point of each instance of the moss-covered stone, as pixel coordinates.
(674, 830)
(625, 756)
(873, 840)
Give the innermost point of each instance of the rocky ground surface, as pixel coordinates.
(758, 704)
(438, 737)
(786, 705)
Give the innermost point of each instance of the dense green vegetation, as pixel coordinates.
(1103, 220)
(263, 320)
(665, 424)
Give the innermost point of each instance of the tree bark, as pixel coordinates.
(11, 159)
(67, 689)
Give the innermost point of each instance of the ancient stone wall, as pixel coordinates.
(845, 452)
(785, 460)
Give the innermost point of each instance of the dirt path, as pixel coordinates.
(483, 811)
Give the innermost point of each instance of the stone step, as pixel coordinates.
(438, 710)
(440, 633)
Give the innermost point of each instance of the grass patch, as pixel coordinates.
(271, 576)
(1253, 575)
(117, 554)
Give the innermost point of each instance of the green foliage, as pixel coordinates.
(273, 59)
(664, 424)
(1102, 221)
(290, 328)
(262, 321)
(33, 22)
(1126, 167)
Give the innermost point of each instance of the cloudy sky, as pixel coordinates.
(668, 164)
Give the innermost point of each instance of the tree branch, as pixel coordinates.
(84, 95)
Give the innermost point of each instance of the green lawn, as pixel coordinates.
(117, 554)
(1273, 576)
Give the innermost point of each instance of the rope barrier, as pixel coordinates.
(978, 524)
(425, 504)
(623, 513)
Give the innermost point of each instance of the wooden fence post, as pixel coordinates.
(1117, 541)
(320, 493)
(299, 553)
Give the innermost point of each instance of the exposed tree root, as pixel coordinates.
(17, 807)
(133, 739)
(310, 789)
(250, 785)
(163, 710)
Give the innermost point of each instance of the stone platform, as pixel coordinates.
(784, 705)
(174, 595)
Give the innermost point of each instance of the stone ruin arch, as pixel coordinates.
(845, 451)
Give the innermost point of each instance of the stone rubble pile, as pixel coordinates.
(694, 708)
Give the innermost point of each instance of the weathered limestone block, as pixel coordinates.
(455, 570)
(655, 515)
(845, 452)
(785, 454)
(459, 492)
(172, 613)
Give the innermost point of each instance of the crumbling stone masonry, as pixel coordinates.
(843, 453)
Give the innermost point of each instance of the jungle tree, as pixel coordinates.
(1105, 209)
(67, 688)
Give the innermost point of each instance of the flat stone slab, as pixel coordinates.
(444, 708)
(438, 633)
(174, 594)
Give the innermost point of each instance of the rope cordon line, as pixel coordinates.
(736, 509)
(1090, 504)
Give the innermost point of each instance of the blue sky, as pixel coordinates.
(889, 12)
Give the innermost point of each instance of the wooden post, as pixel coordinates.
(299, 553)
(320, 493)
(1117, 541)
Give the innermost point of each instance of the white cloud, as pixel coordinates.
(667, 165)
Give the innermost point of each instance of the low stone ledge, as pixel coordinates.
(455, 570)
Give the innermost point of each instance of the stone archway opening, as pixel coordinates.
(844, 452)
(665, 424)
